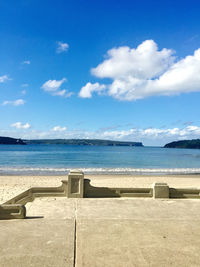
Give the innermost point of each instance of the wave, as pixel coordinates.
(64, 171)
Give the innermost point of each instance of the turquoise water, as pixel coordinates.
(58, 159)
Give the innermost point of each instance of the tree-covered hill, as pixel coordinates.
(10, 141)
(195, 143)
(86, 142)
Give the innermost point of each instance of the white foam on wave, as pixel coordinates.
(54, 171)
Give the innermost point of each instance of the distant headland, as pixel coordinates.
(194, 143)
(85, 142)
(11, 141)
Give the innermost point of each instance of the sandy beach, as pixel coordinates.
(10, 186)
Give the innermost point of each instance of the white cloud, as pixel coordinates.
(63, 93)
(26, 62)
(19, 125)
(147, 71)
(59, 129)
(17, 102)
(4, 78)
(89, 88)
(144, 62)
(158, 135)
(60, 93)
(62, 47)
(53, 87)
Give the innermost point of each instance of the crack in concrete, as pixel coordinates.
(75, 233)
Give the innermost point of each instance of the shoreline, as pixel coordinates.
(55, 171)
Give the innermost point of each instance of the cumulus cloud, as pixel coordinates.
(143, 62)
(62, 47)
(89, 88)
(53, 87)
(147, 71)
(19, 125)
(17, 102)
(4, 78)
(59, 129)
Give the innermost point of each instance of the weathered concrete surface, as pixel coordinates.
(45, 238)
(109, 232)
(75, 184)
(138, 232)
(14, 211)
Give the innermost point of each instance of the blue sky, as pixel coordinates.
(122, 70)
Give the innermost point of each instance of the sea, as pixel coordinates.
(42, 159)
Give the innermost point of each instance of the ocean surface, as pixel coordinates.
(59, 159)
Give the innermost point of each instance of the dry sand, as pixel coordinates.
(11, 186)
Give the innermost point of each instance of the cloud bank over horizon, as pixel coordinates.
(145, 71)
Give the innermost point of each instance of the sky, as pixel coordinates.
(117, 70)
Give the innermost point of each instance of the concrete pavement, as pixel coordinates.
(44, 238)
(103, 232)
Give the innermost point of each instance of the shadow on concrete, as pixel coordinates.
(34, 217)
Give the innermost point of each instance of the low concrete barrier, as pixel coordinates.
(15, 211)
(184, 193)
(78, 187)
(106, 192)
(30, 194)
(75, 184)
(160, 190)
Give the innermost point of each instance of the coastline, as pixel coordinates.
(54, 171)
